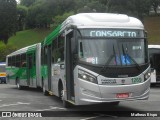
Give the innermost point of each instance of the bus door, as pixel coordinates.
(156, 64)
(30, 68)
(49, 67)
(69, 67)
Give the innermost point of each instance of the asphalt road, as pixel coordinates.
(12, 99)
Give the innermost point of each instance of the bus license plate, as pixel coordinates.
(122, 95)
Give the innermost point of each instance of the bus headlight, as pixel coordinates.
(147, 75)
(87, 76)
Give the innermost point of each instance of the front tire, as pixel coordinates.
(61, 95)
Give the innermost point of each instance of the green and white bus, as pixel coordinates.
(95, 58)
(23, 67)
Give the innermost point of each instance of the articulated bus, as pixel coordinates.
(154, 53)
(96, 57)
(2, 72)
(23, 67)
(90, 58)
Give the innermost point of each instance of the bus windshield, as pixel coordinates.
(112, 51)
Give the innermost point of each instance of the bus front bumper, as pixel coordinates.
(93, 94)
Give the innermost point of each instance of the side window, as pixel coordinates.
(30, 61)
(34, 59)
(45, 55)
(18, 61)
(23, 60)
(13, 61)
(54, 50)
(61, 47)
(42, 55)
(9, 61)
(58, 49)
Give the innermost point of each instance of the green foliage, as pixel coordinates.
(60, 18)
(27, 3)
(40, 14)
(155, 4)
(22, 12)
(5, 50)
(8, 19)
(130, 7)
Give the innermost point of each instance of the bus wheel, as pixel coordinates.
(45, 92)
(61, 95)
(18, 84)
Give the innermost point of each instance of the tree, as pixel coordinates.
(40, 14)
(27, 3)
(8, 19)
(21, 14)
(137, 8)
(5, 50)
(60, 18)
(155, 4)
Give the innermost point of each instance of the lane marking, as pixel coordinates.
(51, 108)
(90, 118)
(99, 115)
(18, 103)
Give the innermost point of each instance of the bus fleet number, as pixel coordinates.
(136, 80)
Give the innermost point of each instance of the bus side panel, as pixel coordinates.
(11, 74)
(22, 76)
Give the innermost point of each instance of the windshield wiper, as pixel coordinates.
(109, 60)
(126, 54)
(137, 65)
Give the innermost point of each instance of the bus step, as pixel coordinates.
(72, 102)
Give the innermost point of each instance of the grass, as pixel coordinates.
(28, 37)
(152, 25)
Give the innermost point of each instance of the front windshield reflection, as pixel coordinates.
(112, 51)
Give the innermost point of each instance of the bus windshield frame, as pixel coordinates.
(124, 50)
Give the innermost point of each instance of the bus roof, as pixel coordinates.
(24, 50)
(154, 46)
(103, 20)
(95, 20)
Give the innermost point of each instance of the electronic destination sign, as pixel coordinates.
(112, 33)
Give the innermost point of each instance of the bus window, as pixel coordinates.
(23, 64)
